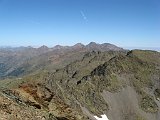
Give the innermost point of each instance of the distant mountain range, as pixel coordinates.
(106, 46)
(23, 60)
(80, 45)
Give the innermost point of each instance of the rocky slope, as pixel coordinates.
(123, 85)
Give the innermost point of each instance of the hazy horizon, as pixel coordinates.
(51, 46)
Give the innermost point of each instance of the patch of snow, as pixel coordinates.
(104, 117)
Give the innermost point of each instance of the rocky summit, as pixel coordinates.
(79, 82)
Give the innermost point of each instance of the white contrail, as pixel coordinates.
(84, 16)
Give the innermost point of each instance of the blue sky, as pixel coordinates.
(126, 23)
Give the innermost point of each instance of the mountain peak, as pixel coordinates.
(43, 46)
(58, 47)
(92, 43)
(102, 47)
(78, 45)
